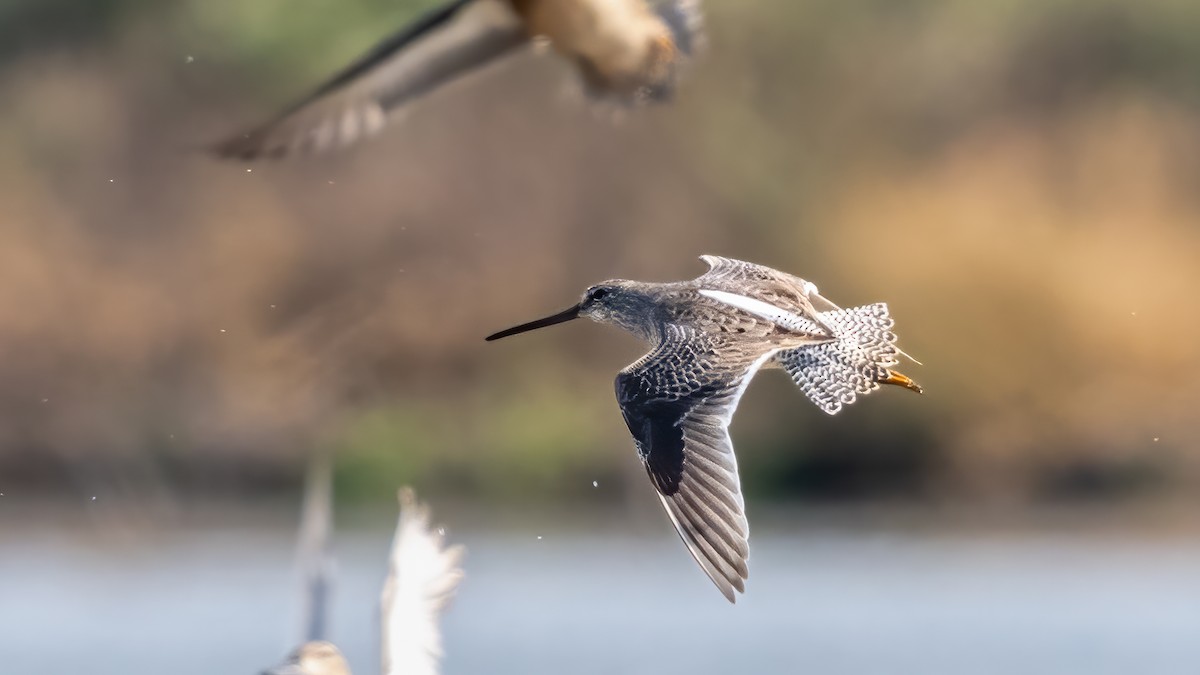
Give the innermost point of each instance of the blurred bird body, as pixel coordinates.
(710, 336)
(626, 50)
(313, 658)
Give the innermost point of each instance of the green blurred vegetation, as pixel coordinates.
(1016, 178)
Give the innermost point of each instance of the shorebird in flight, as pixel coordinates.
(710, 336)
(625, 50)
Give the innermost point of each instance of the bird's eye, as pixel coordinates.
(598, 294)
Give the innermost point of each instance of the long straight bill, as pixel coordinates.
(561, 317)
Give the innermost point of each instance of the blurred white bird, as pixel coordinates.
(422, 577)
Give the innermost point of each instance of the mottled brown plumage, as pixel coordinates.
(710, 336)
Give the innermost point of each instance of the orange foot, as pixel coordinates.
(901, 380)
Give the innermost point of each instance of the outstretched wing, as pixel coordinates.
(677, 402)
(440, 46)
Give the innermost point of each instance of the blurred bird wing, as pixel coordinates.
(678, 401)
(422, 577)
(685, 20)
(441, 45)
(769, 285)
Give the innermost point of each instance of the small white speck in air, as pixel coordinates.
(441, 531)
(222, 330)
(539, 537)
(1156, 439)
(1133, 314)
(45, 400)
(249, 170)
(112, 180)
(189, 58)
(595, 483)
(93, 498)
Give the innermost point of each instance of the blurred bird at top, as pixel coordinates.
(629, 51)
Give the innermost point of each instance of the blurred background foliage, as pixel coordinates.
(1016, 178)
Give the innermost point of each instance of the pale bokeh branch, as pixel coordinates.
(313, 555)
(315, 656)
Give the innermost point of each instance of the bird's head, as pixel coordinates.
(620, 302)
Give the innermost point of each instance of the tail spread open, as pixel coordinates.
(834, 374)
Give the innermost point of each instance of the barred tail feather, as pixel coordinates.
(834, 374)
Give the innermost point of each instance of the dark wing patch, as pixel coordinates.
(657, 430)
(677, 402)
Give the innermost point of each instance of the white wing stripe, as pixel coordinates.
(764, 310)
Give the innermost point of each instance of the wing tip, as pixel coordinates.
(728, 580)
(729, 587)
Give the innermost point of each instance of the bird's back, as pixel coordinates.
(780, 289)
(736, 302)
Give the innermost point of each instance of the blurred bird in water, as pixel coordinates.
(423, 574)
(710, 336)
(626, 50)
(313, 658)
